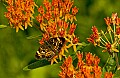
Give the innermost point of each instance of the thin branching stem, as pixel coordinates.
(103, 41)
(114, 30)
(38, 28)
(105, 36)
(111, 36)
(107, 61)
(102, 47)
(116, 58)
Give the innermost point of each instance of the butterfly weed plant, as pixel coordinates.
(56, 20)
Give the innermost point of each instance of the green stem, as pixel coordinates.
(102, 47)
(105, 36)
(114, 30)
(111, 36)
(116, 58)
(103, 41)
(38, 28)
(107, 61)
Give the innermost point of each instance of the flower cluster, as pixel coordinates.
(67, 69)
(95, 37)
(56, 20)
(20, 13)
(108, 40)
(84, 69)
(108, 75)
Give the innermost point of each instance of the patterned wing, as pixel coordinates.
(44, 52)
(56, 43)
(50, 48)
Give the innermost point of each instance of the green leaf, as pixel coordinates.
(110, 64)
(37, 64)
(80, 47)
(31, 37)
(3, 26)
(117, 74)
(103, 72)
(112, 61)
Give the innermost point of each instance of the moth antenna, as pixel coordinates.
(36, 26)
(32, 37)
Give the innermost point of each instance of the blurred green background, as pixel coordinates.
(16, 51)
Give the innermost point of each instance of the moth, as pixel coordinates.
(50, 48)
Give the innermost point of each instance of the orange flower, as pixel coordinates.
(75, 40)
(55, 3)
(67, 69)
(90, 68)
(108, 21)
(68, 5)
(108, 46)
(46, 36)
(113, 20)
(79, 75)
(97, 71)
(68, 62)
(96, 60)
(48, 15)
(60, 23)
(41, 41)
(62, 32)
(91, 39)
(114, 17)
(101, 39)
(80, 61)
(117, 21)
(94, 38)
(83, 69)
(47, 5)
(41, 10)
(20, 13)
(10, 2)
(53, 19)
(39, 18)
(56, 12)
(65, 25)
(108, 75)
(72, 28)
(74, 10)
(118, 30)
(89, 59)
